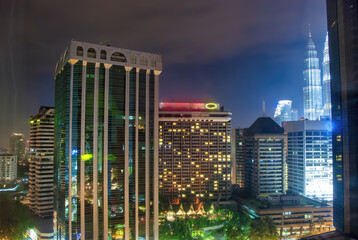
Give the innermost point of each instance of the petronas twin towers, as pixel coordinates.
(317, 98)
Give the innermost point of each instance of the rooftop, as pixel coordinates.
(264, 125)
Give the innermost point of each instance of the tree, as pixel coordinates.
(177, 230)
(14, 218)
(237, 227)
(320, 221)
(263, 229)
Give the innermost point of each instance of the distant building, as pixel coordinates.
(284, 112)
(309, 158)
(194, 151)
(106, 143)
(326, 83)
(265, 157)
(312, 90)
(41, 171)
(17, 146)
(295, 216)
(238, 159)
(8, 167)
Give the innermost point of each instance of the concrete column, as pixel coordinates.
(105, 153)
(82, 164)
(156, 163)
(95, 154)
(126, 157)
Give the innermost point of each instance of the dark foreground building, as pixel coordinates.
(342, 16)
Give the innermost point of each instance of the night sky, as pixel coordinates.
(237, 52)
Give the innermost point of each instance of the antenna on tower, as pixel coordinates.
(309, 30)
(263, 108)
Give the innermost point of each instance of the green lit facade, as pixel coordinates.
(105, 149)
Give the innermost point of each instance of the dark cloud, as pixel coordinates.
(236, 51)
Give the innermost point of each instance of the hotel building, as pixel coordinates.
(106, 143)
(194, 151)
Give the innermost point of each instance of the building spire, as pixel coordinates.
(309, 30)
(263, 108)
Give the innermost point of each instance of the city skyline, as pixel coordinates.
(210, 55)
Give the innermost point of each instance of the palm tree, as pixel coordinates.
(320, 221)
(263, 229)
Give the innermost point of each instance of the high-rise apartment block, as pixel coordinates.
(309, 158)
(342, 25)
(312, 90)
(17, 146)
(264, 153)
(41, 162)
(8, 167)
(106, 143)
(194, 151)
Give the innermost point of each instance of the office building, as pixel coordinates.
(295, 216)
(309, 158)
(8, 167)
(41, 162)
(265, 155)
(312, 90)
(17, 146)
(106, 143)
(326, 82)
(238, 159)
(284, 112)
(194, 151)
(342, 38)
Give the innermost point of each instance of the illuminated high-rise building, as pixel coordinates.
(194, 151)
(312, 90)
(309, 158)
(284, 112)
(264, 152)
(238, 159)
(41, 162)
(17, 146)
(327, 107)
(106, 143)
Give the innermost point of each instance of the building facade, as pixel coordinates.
(265, 155)
(17, 146)
(326, 82)
(342, 25)
(238, 159)
(41, 162)
(312, 90)
(284, 112)
(8, 167)
(106, 142)
(309, 158)
(194, 151)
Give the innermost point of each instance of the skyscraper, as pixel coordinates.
(41, 162)
(17, 146)
(8, 167)
(342, 25)
(264, 151)
(106, 143)
(284, 112)
(194, 151)
(238, 159)
(327, 107)
(312, 90)
(309, 158)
